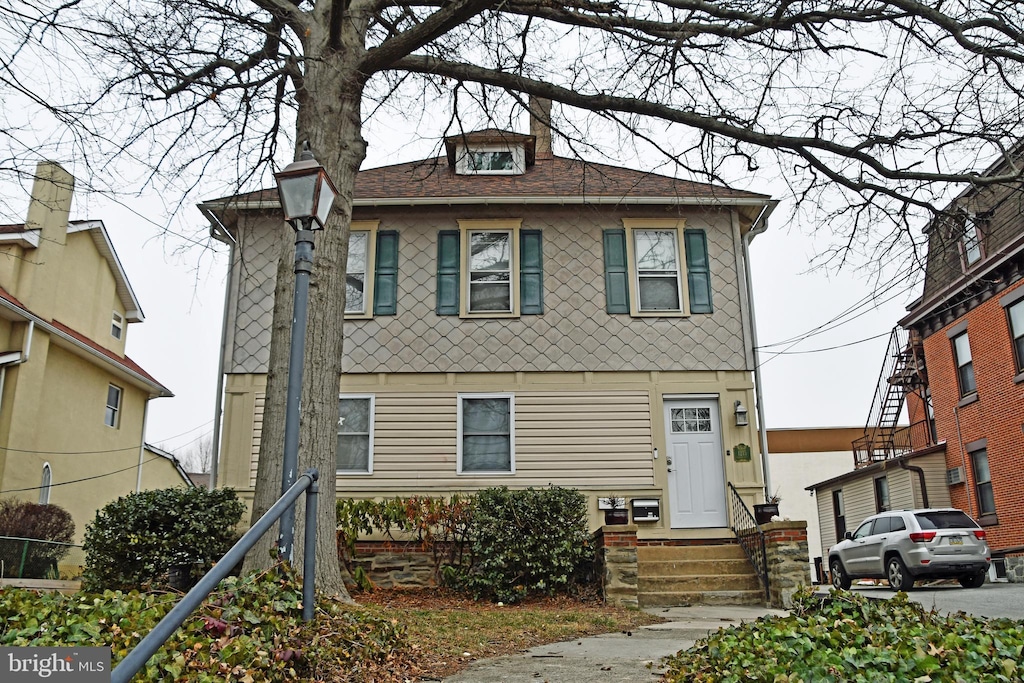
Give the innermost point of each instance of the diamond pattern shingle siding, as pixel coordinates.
(574, 333)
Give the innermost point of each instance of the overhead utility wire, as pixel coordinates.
(78, 481)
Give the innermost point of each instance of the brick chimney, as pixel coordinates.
(540, 125)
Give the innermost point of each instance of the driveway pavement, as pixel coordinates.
(612, 658)
(991, 600)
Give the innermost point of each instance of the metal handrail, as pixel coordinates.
(750, 537)
(137, 658)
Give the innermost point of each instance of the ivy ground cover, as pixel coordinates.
(846, 637)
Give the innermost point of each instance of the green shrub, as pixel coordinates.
(532, 541)
(847, 637)
(248, 630)
(135, 540)
(22, 519)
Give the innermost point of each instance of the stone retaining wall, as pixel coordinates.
(788, 569)
(388, 564)
(616, 546)
(1014, 568)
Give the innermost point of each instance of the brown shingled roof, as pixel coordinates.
(547, 178)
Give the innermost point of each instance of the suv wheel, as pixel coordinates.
(840, 581)
(899, 578)
(973, 580)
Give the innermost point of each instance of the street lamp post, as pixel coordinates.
(307, 194)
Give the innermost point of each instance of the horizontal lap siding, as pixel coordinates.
(257, 430)
(572, 439)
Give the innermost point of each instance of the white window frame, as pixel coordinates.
(112, 413)
(675, 226)
(46, 484)
(467, 228)
(962, 363)
(463, 154)
(370, 229)
(372, 420)
(117, 325)
(511, 435)
(970, 240)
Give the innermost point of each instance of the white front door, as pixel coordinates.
(696, 471)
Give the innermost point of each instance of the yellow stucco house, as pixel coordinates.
(72, 405)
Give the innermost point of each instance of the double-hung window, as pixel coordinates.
(490, 268)
(1015, 314)
(355, 435)
(371, 273)
(116, 325)
(486, 434)
(655, 267)
(983, 482)
(970, 240)
(964, 364)
(490, 271)
(112, 416)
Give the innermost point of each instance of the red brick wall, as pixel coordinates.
(997, 415)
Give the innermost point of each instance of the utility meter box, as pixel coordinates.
(646, 509)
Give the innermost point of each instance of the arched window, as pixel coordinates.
(44, 488)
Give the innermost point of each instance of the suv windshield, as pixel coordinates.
(949, 519)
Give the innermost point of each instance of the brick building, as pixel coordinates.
(965, 356)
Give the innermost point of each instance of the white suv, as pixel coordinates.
(905, 545)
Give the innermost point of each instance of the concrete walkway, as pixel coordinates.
(612, 658)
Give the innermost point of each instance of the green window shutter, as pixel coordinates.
(698, 271)
(531, 273)
(448, 272)
(616, 272)
(385, 277)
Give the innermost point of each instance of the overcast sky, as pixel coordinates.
(181, 288)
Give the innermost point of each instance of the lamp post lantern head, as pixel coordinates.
(306, 191)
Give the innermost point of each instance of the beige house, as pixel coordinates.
(72, 405)
(516, 318)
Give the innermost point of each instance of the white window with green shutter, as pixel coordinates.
(355, 434)
(655, 267)
(490, 268)
(486, 424)
(371, 274)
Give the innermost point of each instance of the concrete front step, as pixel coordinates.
(723, 597)
(693, 567)
(713, 574)
(699, 584)
(654, 553)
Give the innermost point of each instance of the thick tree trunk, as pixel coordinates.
(329, 119)
(271, 455)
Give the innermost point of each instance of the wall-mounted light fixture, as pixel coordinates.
(741, 415)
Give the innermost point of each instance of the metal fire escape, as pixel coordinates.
(903, 372)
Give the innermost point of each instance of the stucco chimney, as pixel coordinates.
(48, 211)
(540, 125)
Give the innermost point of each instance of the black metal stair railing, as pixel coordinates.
(147, 647)
(750, 537)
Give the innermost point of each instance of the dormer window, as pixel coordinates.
(490, 159)
(971, 240)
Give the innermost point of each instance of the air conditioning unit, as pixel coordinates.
(955, 475)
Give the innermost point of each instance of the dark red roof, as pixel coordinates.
(12, 228)
(552, 177)
(124, 361)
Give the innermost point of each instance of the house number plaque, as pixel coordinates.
(741, 453)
